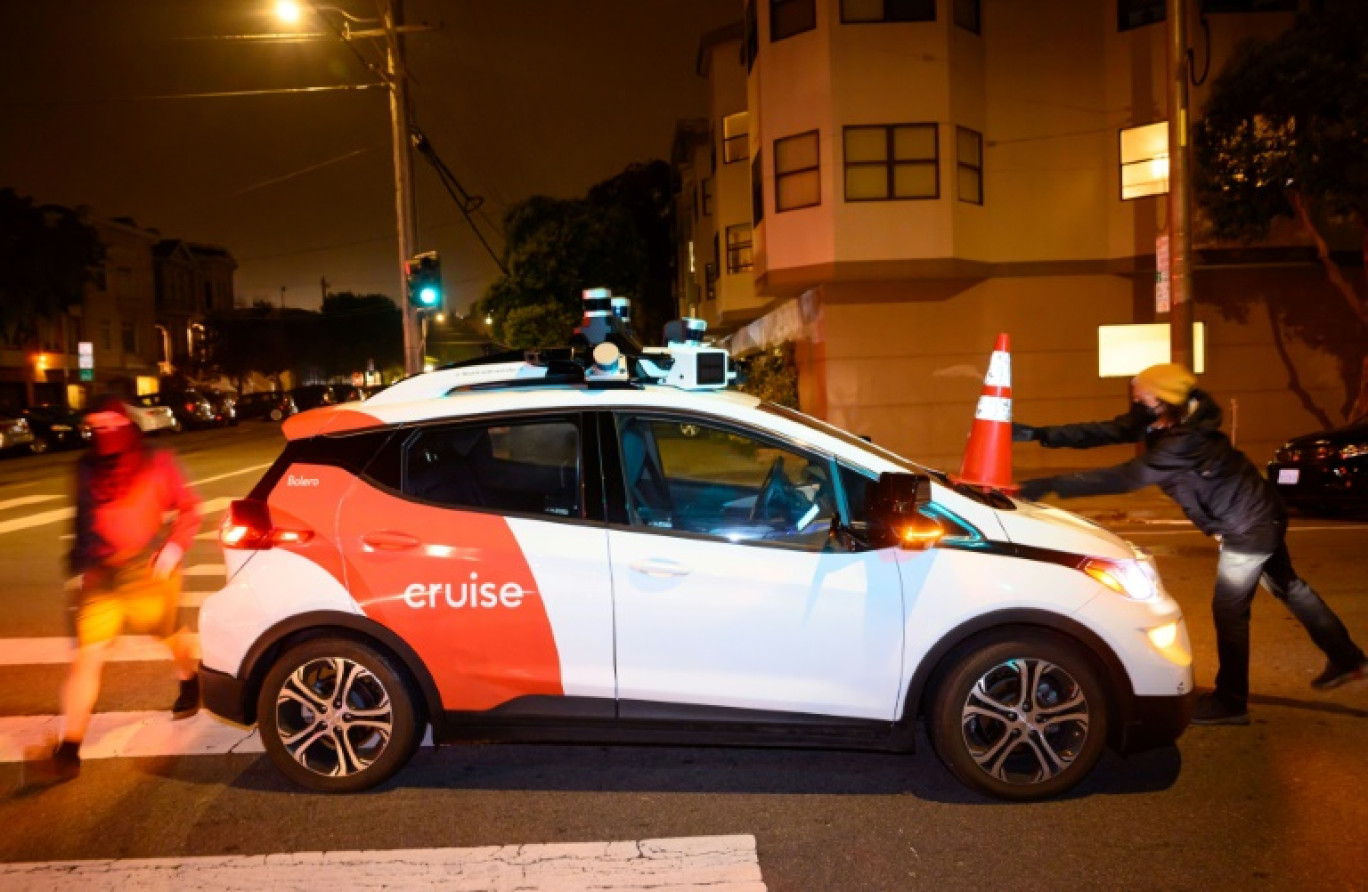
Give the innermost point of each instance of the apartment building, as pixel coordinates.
(889, 184)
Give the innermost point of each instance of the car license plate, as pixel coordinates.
(1289, 475)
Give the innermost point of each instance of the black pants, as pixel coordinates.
(1238, 573)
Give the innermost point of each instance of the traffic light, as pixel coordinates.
(423, 273)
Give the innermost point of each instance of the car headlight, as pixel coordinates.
(1134, 579)
(1354, 450)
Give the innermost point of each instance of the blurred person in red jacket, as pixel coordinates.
(126, 562)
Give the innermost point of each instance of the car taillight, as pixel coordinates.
(248, 525)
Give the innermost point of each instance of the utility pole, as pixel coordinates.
(405, 206)
(1180, 190)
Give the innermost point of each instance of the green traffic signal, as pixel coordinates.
(424, 280)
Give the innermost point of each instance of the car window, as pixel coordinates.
(699, 478)
(530, 467)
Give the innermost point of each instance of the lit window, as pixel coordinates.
(1144, 160)
(736, 137)
(891, 162)
(855, 11)
(969, 164)
(797, 172)
(790, 17)
(738, 248)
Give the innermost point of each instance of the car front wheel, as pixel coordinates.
(337, 716)
(39, 445)
(1020, 717)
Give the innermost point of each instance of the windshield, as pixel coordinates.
(846, 437)
(990, 497)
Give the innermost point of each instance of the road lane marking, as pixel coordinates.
(26, 500)
(127, 735)
(205, 570)
(712, 863)
(236, 473)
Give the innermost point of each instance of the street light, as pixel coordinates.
(395, 77)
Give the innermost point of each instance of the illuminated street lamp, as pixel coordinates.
(396, 79)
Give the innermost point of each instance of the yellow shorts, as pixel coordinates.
(128, 600)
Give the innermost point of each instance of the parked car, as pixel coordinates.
(224, 403)
(311, 396)
(272, 405)
(346, 393)
(498, 557)
(56, 427)
(1325, 472)
(14, 432)
(152, 417)
(191, 408)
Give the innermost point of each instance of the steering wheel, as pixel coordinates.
(774, 496)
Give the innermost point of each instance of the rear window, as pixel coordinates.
(528, 467)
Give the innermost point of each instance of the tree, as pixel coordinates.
(1285, 136)
(618, 237)
(646, 192)
(46, 257)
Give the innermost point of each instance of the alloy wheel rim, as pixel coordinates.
(334, 717)
(1025, 721)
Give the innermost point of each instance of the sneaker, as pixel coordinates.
(1334, 676)
(53, 763)
(188, 701)
(1213, 710)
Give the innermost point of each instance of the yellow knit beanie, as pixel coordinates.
(1168, 381)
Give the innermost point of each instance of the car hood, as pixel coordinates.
(1037, 526)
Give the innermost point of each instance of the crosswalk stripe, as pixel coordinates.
(36, 520)
(48, 651)
(713, 863)
(127, 735)
(205, 570)
(25, 500)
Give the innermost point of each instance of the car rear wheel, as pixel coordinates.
(39, 445)
(276, 414)
(1020, 717)
(337, 716)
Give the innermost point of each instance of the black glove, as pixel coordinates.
(1024, 433)
(1035, 490)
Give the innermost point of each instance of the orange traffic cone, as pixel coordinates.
(988, 458)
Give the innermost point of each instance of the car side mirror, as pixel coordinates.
(896, 504)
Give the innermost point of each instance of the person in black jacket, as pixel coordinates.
(1224, 495)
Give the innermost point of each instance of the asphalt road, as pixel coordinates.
(1278, 804)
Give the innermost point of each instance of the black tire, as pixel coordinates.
(341, 755)
(40, 445)
(1019, 716)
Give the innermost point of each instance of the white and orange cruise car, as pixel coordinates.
(617, 548)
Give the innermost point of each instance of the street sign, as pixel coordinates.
(87, 374)
(85, 356)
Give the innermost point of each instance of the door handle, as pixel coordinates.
(389, 540)
(659, 568)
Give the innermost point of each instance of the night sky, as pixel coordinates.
(520, 97)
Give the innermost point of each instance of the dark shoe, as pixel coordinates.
(188, 703)
(1212, 710)
(53, 763)
(1334, 676)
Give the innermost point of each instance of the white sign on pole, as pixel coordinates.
(85, 355)
(1161, 275)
